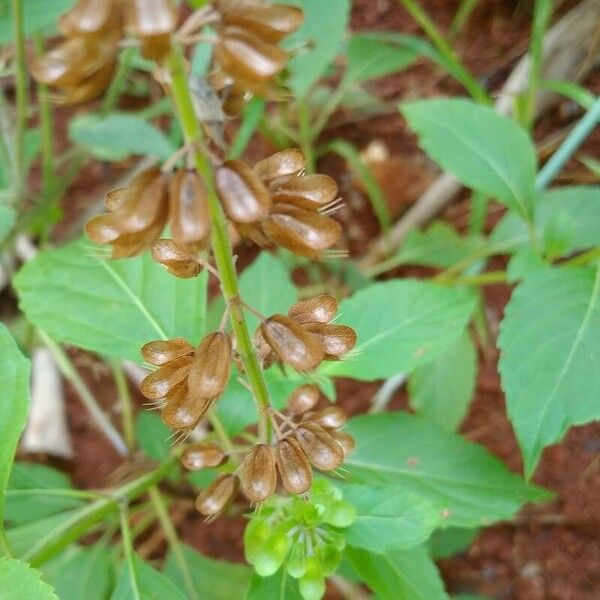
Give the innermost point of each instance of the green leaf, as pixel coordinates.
(443, 388)
(321, 36)
(8, 217)
(18, 581)
(471, 486)
(400, 324)
(484, 150)
(22, 507)
(389, 517)
(119, 136)
(150, 583)
(578, 205)
(280, 586)
(81, 573)
(444, 543)
(550, 343)
(266, 286)
(14, 405)
(523, 262)
(114, 307)
(37, 14)
(398, 574)
(370, 56)
(153, 435)
(213, 579)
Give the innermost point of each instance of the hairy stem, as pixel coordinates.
(221, 243)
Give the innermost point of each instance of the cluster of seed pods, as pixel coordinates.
(302, 438)
(82, 65)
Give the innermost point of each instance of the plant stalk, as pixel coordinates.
(221, 243)
(125, 402)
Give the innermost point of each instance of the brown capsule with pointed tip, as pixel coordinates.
(320, 448)
(270, 22)
(90, 18)
(202, 455)
(212, 365)
(91, 86)
(243, 55)
(303, 399)
(292, 344)
(145, 18)
(188, 215)
(336, 340)
(345, 440)
(156, 385)
(258, 476)
(330, 417)
(160, 352)
(281, 164)
(132, 244)
(179, 259)
(245, 199)
(306, 191)
(217, 496)
(293, 466)
(303, 232)
(185, 413)
(318, 309)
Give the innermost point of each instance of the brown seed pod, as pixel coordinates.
(147, 18)
(318, 309)
(202, 455)
(293, 466)
(156, 385)
(270, 22)
(258, 476)
(215, 498)
(345, 440)
(281, 164)
(160, 352)
(179, 259)
(90, 87)
(320, 448)
(331, 417)
(183, 413)
(243, 55)
(132, 244)
(301, 231)
(303, 399)
(307, 191)
(90, 18)
(212, 365)
(336, 340)
(292, 344)
(189, 218)
(245, 199)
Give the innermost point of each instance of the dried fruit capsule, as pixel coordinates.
(215, 498)
(336, 340)
(308, 191)
(91, 86)
(345, 440)
(178, 258)
(280, 164)
(292, 344)
(212, 365)
(185, 412)
(243, 55)
(320, 448)
(258, 475)
(319, 309)
(303, 399)
(331, 417)
(189, 218)
(89, 18)
(150, 17)
(160, 352)
(301, 231)
(271, 23)
(158, 383)
(245, 199)
(293, 466)
(202, 455)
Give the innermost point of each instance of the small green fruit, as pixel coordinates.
(329, 558)
(296, 562)
(271, 556)
(312, 583)
(256, 535)
(340, 514)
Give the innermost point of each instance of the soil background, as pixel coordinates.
(545, 553)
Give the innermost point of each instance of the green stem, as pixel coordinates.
(116, 86)
(582, 259)
(487, 278)
(479, 206)
(220, 430)
(469, 82)
(21, 96)
(461, 16)
(171, 534)
(221, 243)
(577, 136)
(125, 402)
(127, 542)
(70, 373)
(306, 136)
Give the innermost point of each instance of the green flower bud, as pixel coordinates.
(296, 562)
(340, 514)
(256, 534)
(329, 557)
(312, 583)
(272, 554)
